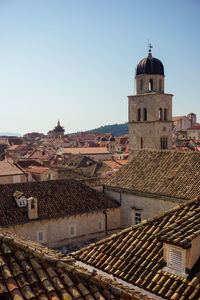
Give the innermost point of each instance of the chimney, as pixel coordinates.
(32, 208)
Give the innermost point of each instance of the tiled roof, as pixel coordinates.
(112, 164)
(28, 162)
(136, 253)
(168, 173)
(30, 271)
(86, 150)
(36, 170)
(56, 198)
(177, 118)
(194, 127)
(7, 168)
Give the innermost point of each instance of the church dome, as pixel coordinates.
(150, 65)
(59, 128)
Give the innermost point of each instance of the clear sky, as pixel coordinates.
(75, 60)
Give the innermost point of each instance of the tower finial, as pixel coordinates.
(150, 47)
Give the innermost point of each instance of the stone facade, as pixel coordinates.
(14, 179)
(70, 229)
(136, 207)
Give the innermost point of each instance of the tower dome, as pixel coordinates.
(150, 65)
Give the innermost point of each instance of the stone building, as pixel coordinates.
(182, 123)
(150, 110)
(57, 212)
(153, 182)
(57, 132)
(12, 173)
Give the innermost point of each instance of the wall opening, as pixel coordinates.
(160, 114)
(141, 143)
(145, 114)
(139, 114)
(163, 143)
(165, 114)
(151, 84)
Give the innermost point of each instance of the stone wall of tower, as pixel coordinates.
(147, 132)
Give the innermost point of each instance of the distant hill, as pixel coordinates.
(9, 134)
(115, 129)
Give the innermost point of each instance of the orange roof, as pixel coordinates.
(87, 150)
(7, 168)
(37, 170)
(112, 164)
(122, 161)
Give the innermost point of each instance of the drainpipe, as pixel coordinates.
(106, 221)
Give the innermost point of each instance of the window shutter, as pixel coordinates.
(175, 259)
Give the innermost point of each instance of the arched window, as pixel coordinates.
(145, 114)
(160, 114)
(141, 84)
(160, 85)
(151, 84)
(165, 114)
(139, 114)
(141, 143)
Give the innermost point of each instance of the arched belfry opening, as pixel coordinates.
(151, 85)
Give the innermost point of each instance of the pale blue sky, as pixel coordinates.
(75, 60)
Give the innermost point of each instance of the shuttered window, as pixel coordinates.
(175, 259)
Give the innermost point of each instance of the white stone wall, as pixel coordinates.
(146, 206)
(56, 232)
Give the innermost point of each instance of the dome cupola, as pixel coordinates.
(149, 75)
(150, 65)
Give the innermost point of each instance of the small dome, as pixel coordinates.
(150, 65)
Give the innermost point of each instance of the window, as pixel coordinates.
(163, 143)
(72, 231)
(141, 143)
(141, 84)
(165, 114)
(160, 114)
(40, 236)
(145, 114)
(100, 227)
(176, 259)
(151, 84)
(139, 114)
(160, 85)
(138, 218)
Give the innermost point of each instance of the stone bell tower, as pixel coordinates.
(150, 109)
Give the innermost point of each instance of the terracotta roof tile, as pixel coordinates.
(168, 173)
(136, 254)
(56, 198)
(55, 277)
(7, 168)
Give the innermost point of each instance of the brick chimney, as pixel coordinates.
(32, 208)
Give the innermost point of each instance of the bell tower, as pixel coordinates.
(150, 109)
